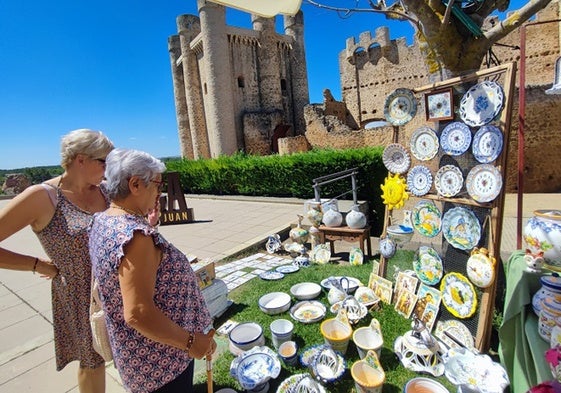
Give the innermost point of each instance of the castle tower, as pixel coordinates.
(294, 27)
(217, 84)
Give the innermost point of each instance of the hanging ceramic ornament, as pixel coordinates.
(394, 192)
(481, 267)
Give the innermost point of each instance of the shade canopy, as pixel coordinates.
(266, 8)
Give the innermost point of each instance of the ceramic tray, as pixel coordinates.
(487, 144)
(428, 265)
(419, 180)
(458, 295)
(448, 181)
(484, 183)
(308, 311)
(461, 228)
(481, 103)
(456, 329)
(424, 143)
(400, 107)
(455, 138)
(427, 218)
(271, 275)
(395, 158)
(290, 383)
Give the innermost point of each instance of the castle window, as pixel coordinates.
(205, 88)
(283, 86)
(241, 82)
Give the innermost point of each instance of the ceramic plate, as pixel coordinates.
(286, 269)
(356, 256)
(271, 275)
(320, 254)
(480, 269)
(424, 143)
(448, 181)
(456, 329)
(455, 138)
(428, 265)
(400, 107)
(481, 103)
(396, 159)
(458, 295)
(487, 144)
(461, 228)
(484, 183)
(289, 384)
(308, 311)
(427, 218)
(419, 180)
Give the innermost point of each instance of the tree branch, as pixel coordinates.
(516, 18)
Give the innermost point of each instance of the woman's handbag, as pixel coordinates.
(100, 337)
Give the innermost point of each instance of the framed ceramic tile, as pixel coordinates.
(376, 267)
(384, 293)
(407, 282)
(439, 105)
(405, 301)
(429, 316)
(430, 294)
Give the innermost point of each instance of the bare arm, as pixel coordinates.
(137, 279)
(34, 208)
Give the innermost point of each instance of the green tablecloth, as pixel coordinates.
(521, 348)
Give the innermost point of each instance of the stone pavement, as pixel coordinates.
(223, 227)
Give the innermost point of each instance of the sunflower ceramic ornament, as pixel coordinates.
(394, 192)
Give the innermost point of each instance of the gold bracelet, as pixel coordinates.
(190, 341)
(35, 265)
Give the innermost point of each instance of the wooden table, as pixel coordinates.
(347, 234)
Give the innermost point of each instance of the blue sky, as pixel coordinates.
(104, 65)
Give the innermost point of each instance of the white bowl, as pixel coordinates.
(274, 303)
(421, 384)
(305, 290)
(246, 335)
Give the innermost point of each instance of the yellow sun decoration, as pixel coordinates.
(394, 192)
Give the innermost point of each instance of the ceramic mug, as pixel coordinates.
(288, 352)
(281, 331)
(365, 339)
(336, 334)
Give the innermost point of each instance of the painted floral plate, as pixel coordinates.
(448, 181)
(308, 311)
(427, 218)
(481, 103)
(458, 295)
(456, 329)
(427, 264)
(271, 275)
(419, 180)
(461, 228)
(455, 138)
(424, 143)
(487, 144)
(320, 254)
(400, 107)
(396, 159)
(255, 367)
(356, 256)
(484, 183)
(290, 384)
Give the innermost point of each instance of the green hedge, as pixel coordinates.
(287, 176)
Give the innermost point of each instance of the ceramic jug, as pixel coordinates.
(314, 213)
(332, 218)
(298, 234)
(355, 219)
(543, 233)
(551, 287)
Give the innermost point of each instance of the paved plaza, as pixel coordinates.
(223, 227)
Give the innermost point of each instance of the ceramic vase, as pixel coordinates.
(355, 219)
(298, 234)
(551, 288)
(332, 218)
(314, 213)
(543, 233)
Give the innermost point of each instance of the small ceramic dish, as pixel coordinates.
(246, 335)
(305, 290)
(308, 311)
(295, 383)
(274, 303)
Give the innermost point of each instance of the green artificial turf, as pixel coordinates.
(245, 308)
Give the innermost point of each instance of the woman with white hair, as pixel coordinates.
(157, 318)
(59, 211)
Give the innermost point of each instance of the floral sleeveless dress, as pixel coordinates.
(65, 240)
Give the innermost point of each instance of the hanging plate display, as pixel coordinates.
(394, 192)
(400, 107)
(396, 159)
(456, 329)
(455, 138)
(461, 228)
(424, 143)
(448, 181)
(419, 180)
(427, 218)
(428, 265)
(481, 103)
(487, 144)
(484, 183)
(458, 295)
(480, 268)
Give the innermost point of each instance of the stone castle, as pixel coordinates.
(261, 100)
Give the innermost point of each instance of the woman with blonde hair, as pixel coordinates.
(157, 318)
(59, 211)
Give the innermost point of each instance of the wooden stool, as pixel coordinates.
(348, 234)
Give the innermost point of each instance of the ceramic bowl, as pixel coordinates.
(424, 385)
(400, 234)
(246, 335)
(327, 365)
(255, 367)
(305, 290)
(274, 303)
(354, 283)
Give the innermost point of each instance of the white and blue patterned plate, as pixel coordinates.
(271, 275)
(448, 181)
(419, 180)
(395, 158)
(487, 144)
(461, 228)
(481, 103)
(484, 183)
(286, 269)
(455, 138)
(424, 143)
(400, 107)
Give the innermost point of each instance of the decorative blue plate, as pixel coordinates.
(481, 103)
(448, 181)
(455, 138)
(287, 269)
(487, 144)
(271, 275)
(419, 180)
(400, 107)
(461, 228)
